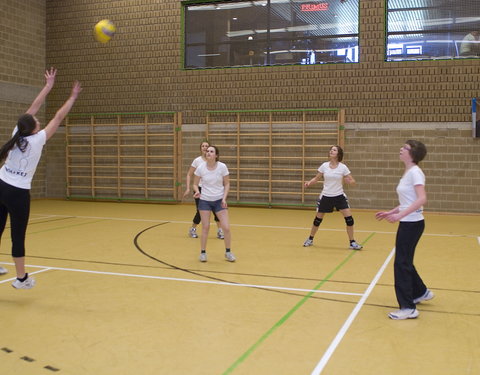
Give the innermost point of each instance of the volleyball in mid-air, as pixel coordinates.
(104, 31)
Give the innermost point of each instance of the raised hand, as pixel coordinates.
(76, 89)
(50, 76)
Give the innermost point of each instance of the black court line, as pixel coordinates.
(29, 359)
(204, 273)
(269, 276)
(135, 241)
(46, 221)
(266, 289)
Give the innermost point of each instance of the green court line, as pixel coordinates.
(284, 318)
(120, 113)
(274, 110)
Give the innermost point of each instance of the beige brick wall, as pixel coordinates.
(452, 165)
(140, 70)
(22, 63)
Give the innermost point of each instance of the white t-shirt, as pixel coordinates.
(333, 179)
(20, 167)
(212, 181)
(195, 163)
(407, 194)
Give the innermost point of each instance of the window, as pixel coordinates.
(270, 32)
(432, 29)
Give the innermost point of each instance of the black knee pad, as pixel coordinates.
(317, 221)
(349, 221)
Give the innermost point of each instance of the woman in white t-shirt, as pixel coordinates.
(192, 232)
(334, 174)
(409, 287)
(22, 154)
(213, 198)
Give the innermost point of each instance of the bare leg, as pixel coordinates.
(20, 267)
(225, 225)
(205, 215)
(314, 230)
(346, 213)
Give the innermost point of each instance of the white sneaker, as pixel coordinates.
(220, 235)
(230, 257)
(355, 246)
(403, 314)
(3, 271)
(192, 232)
(27, 284)
(203, 257)
(426, 297)
(308, 242)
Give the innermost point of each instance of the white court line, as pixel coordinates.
(46, 268)
(478, 238)
(331, 349)
(30, 273)
(252, 226)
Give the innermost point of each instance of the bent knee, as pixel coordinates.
(349, 221)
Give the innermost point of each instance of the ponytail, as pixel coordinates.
(25, 126)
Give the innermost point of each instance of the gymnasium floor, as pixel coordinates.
(120, 290)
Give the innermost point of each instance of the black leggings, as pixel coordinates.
(197, 219)
(408, 283)
(16, 203)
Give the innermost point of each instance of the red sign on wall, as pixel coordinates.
(314, 7)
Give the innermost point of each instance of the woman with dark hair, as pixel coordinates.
(22, 154)
(213, 198)
(409, 287)
(334, 173)
(192, 232)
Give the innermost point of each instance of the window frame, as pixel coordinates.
(455, 43)
(269, 40)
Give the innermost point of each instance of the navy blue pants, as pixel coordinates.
(16, 203)
(408, 283)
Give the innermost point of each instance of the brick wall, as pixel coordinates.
(451, 167)
(140, 70)
(22, 63)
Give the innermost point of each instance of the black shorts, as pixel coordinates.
(327, 204)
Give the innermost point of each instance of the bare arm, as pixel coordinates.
(349, 180)
(383, 214)
(42, 95)
(190, 172)
(226, 186)
(196, 181)
(314, 180)
(53, 125)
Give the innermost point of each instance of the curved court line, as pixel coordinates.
(215, 278)
(139, 248)
(203, 275)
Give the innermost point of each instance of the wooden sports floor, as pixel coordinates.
(120, 290)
